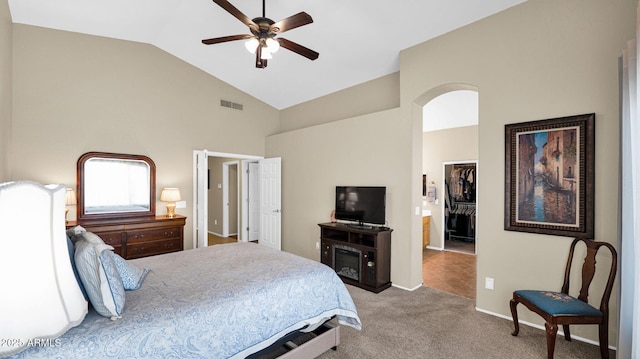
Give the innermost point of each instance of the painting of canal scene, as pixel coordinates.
(550, 176)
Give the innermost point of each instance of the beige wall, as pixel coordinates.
(369, 150)
(75, 93)
(541, 59)
(454, 144)
(373, 96)
(6, 52)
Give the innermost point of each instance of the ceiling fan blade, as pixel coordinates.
(217, 40)
(298, 49)
(293, 21)
(236, 13)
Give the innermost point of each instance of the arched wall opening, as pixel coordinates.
(454, 142)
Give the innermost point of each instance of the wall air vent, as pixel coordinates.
(232, 105)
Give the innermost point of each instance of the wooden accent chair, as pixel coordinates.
(559, 308)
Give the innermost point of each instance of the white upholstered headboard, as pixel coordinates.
(40, 295)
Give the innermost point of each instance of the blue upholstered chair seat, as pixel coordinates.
(557, 303)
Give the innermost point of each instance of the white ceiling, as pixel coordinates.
(449, 110)
(357, 40)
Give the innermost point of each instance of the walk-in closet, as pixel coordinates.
(460, 206)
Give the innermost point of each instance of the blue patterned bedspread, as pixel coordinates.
(223, 301)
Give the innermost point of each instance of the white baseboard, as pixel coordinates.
(405, 288)
(541, 327)
(220, 235)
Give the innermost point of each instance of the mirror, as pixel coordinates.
(112, 185)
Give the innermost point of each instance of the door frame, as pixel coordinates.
(196, 205)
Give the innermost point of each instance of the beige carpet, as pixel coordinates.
(428, 323)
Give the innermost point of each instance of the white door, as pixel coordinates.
(254, 201)
(270, 210)
(227, 197)
(200, 206)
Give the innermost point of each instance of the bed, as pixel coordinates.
(223, 301)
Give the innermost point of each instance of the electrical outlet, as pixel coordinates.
(318, 246)
(488, 283)
(181, 204)
(215, 222)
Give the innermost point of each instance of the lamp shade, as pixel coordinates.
(265, 54)
(252, 45)
(70, 198)
(170, 195)
(41, 296)
(272, 44)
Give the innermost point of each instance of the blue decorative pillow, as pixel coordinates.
(72, 253)
(100, 278)
(113, 285)
(131, 275)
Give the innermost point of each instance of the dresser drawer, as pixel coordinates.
(143, 249)
(111, 238)
(135, 237)
(114, 239)
(153, 234)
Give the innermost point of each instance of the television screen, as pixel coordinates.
(361, 204)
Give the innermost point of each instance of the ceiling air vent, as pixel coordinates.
(229, 104)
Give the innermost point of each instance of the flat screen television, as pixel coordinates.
(361, 204)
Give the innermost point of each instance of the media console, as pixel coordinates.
(360, 256)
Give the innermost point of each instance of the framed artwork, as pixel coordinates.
(549, 176)
(424, 185)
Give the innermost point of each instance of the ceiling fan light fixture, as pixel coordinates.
(252, 45)
(273, 45)
(262, 41)
(265, 53)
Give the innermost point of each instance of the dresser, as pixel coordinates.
(138, 237)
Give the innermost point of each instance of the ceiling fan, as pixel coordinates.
(263, 41)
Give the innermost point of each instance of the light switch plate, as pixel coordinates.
(488, 283)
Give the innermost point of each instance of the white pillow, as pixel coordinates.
(100, 278)
(75, 233)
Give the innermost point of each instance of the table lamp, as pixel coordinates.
(171, 196)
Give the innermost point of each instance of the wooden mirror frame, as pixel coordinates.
(80, 178)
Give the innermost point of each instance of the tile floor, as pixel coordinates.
(450, 271)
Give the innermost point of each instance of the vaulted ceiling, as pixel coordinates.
(357, 40)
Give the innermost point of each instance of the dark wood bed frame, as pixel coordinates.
(303, 345)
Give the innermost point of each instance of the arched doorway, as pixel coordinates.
(450, 122)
